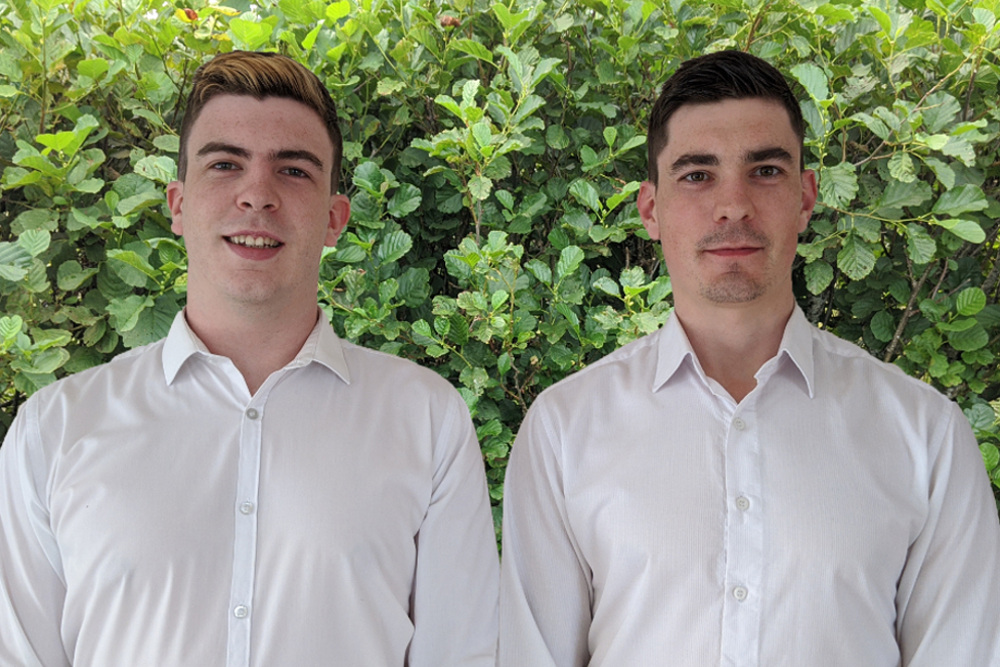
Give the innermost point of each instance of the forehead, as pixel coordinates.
(273, 123)
(730, 127)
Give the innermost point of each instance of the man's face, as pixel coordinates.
(730, 203)
(255, 207)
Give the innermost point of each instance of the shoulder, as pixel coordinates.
(373, 368)
(136, 366)
(629, 368)
(845, 369)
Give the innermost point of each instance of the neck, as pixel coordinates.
(732, 343)
(258, 343)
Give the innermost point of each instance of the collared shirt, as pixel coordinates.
(156, 514)
(839, 515)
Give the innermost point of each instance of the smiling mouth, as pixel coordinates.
(253, 241)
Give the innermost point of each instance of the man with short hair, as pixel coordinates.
(741, 488)
(251, 490)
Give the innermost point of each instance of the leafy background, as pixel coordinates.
(493, 154)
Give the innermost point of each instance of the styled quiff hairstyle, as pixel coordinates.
(260, 75)
(726, 75)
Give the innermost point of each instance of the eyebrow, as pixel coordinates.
(774, 153)
(274, 156)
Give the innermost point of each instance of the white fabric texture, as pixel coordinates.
(839, 515)
(155, 514)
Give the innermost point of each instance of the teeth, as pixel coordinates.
(254, 241)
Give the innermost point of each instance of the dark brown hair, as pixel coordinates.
(726, 75)
(260, 75)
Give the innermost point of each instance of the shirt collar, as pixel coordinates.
(323, 346)
(796, 345)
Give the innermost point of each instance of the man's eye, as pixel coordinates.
(769, 171)
(222, 166)
(696, 177)
(297, 173)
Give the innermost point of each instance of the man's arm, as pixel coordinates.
(545, 589)
(948, 599)
(32, 588)
(454, 603)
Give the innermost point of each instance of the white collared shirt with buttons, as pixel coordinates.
(839, 515)
(154, 513)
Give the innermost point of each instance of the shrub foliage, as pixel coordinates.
(493, 152)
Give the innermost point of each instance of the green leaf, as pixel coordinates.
(472, 48)
(93, 67)
(482, 134)
(813, 79)
(125, 311)
(338, 10)
(970, 301)
(838, 185)
(34, 241)
(71, 275)
(883, 326)
(973, 338)
(586, 194)
(394, 246)
(898, 194)
(47, 361)
(819, 275)
(249, 34)
(610, 135)
(920, 245)
(967, 230)
(901, 167)
(349, 253)
(132, 267)
(168, 143)
(856, 258)
(569, 261)
(161, 168)
(10, 327)
(479, 187)
(991, 455)
(960, 200)
(607, 285)
(406, 200)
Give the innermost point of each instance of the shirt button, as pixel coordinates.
(241, 611)
(246, 507)
(252, 413)
(739, 424)
(743, 503)
(740, 593)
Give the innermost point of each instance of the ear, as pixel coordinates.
(175, 197)
(646, 203)
(340, 212)
(809, 196)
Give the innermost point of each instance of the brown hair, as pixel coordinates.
(260, 75)
(726, 75)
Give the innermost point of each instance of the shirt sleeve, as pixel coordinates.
(455, 589)
(948, 599)
(32, 587)
(545, 589)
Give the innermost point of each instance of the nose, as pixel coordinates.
(733, 202)
(258, 193)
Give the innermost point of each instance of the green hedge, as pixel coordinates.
(492, 158)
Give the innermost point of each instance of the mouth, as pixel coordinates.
(251, 241)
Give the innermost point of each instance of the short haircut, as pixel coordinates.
(260, 75)
(726, 75)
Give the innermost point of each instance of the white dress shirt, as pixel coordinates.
(155, 514)
(838, 516)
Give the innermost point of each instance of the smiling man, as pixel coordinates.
(740, 488)
(252, 490)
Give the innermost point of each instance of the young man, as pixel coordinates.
(251, 490)
(741, 488)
